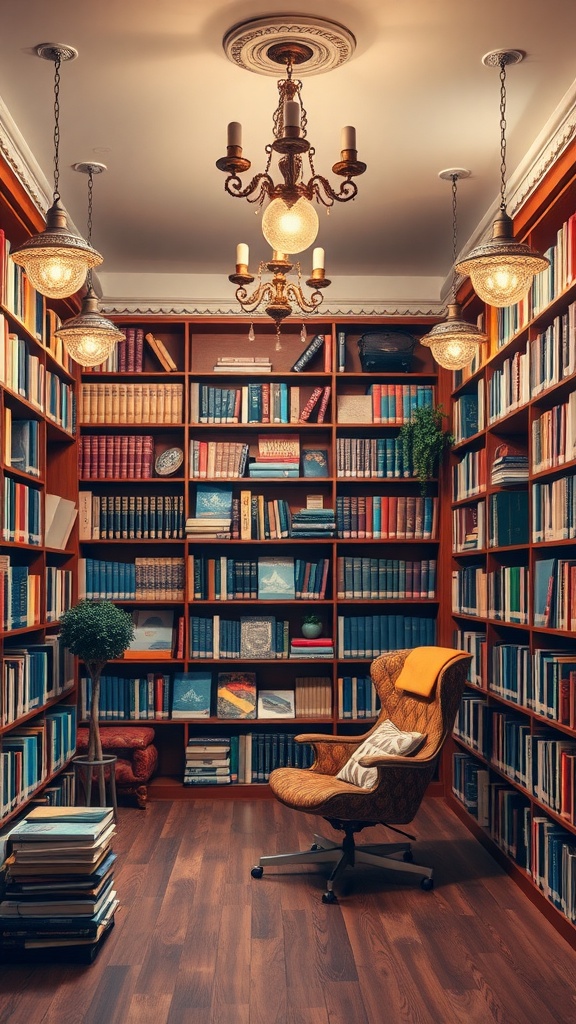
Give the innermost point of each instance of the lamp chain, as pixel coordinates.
(57, 63)
(454, 178)
(89, 225)
(503, 132)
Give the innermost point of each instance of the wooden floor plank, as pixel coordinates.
(199, 941)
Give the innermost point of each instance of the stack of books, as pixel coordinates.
(243, 364)
(207, 761)
(313, 522)
(321, 647)
(58, 900)
(213, 512)
(510, 466)
(278, 456)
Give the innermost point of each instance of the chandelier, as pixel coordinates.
(501, 270)
(89, 337)
(290, 221)
(278, 294)
(56, 260)
(454, 342)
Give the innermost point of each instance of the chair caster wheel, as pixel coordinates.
(315, 847)
(329, 897)
(257, 872)
(408, 856)
(427, 884)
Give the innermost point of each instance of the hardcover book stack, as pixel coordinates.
(58, 899)
(207, 761)
(510, 466)
(313, 522)
(278, 456)
(321, 647)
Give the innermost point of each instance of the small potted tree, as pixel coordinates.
(96, 631)
(424, 441)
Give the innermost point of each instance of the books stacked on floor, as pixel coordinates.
(243, 364)
(510, 466)
(58, 898)
(320, 647)
(313, 522)
(207, 761)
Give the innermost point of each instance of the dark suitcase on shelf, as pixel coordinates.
(386, 351)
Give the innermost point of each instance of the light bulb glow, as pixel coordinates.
(55, 273)
(501, 283)
(453, 353)
(290, 228)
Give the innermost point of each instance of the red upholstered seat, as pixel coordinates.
(137, 756)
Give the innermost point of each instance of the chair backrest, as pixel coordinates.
(434, 715)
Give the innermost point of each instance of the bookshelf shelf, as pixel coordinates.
(514, 769)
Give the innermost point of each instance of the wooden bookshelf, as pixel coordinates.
(516, 716)
(195, 344)
(37, 460)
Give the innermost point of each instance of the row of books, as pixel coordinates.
(247, 759)
(554, 605)
(373, 457)
(17, 294)
(554, 509)
(21, 512)
(554, 435)
(553, 352)
(501, 594)
(21, 444)
(469, 527)
(367, 636)
(543, 681)
(387, 517)
(276, 578)
(131, 403)
(469, 475)
(508, 386)
(60, 402)
(214, 460)
(357, 698)
(33, 675)
(59, 899)
(250, 636)
(32, 752)
(21, 367)
(131, 516)
(508, 519)
(20, 591)
(385, 578)
(395, 404)
(266, 402)
(155, 696)
(160, 579)
(127, 356)
(115, 456)
(468, 415)
(59, 592)
(473, 641)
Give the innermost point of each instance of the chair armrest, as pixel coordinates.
(330, 752)
(321, 737)
(376, 761)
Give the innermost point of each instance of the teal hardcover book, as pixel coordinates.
(213, 501)
(314, 462)
(276, 578)
(191, 695)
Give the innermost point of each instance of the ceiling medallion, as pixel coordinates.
(318, 45)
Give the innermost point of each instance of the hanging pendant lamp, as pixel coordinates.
(454, 342)
(501, 270)
(57, 260)
(89, 337)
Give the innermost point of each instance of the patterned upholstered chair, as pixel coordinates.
(394, 793)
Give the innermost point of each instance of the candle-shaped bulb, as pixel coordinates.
(348, 137)
(318, 259)
(291, 114)
(235, 133)
(242, 254)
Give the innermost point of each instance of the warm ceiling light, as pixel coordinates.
(290, 222)
(280, 296)
(89, 337)
(454, 342)
(56, 261)
(501, 270)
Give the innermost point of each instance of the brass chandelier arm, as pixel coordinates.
(293, 291)
(250, 303)
(348, 190)
(262, 184)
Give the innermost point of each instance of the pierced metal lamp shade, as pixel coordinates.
(56, 261)
(454, 342)
(89, 337)
(290, 228)
(501, 270)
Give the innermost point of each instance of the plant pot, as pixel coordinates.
(87, 773)
(311, 630)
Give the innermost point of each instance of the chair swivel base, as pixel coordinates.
(347, 854)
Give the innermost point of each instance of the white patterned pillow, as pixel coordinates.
(387, 740)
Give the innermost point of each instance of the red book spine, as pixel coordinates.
(180, 638)
(131, 349)
(307, 410)
(324, 404)
(122, 355)
(265, 396)
(138, 457)
(101, 456)
(109, 457)
(117, 456)
(124, 457)
(139, 350)
(131, 455)
(147, 455)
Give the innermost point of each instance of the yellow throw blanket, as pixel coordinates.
(423, 666)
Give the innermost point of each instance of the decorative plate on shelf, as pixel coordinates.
(169, 461)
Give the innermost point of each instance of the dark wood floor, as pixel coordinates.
(198, 941)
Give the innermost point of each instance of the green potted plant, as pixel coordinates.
(311, 626)
(424, 440)
(96, 631)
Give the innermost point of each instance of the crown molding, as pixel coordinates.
(21, 160)
(221, 307)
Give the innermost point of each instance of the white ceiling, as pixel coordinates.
(151, 94)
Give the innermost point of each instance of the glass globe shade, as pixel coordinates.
(290, 228)
(502, 282)
(89, 337)
(453, 353)
(56, 260)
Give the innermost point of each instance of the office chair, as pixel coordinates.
(383, 773)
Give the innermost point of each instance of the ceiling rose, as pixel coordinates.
(316, 44)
